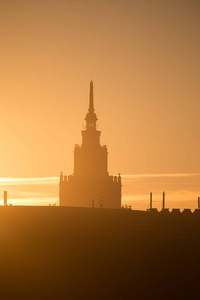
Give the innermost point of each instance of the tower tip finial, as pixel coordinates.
(91, 101)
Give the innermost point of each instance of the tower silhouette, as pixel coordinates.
(90, 185)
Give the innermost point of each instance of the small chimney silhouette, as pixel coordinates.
(198, 202)
(5, 198)
(151, 201)
(163, 200)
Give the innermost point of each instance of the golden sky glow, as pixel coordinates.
(143, 57)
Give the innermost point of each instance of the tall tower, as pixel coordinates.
(90, 185)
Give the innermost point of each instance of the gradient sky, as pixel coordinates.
(144, 59)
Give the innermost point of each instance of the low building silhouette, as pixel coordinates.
(90, 185)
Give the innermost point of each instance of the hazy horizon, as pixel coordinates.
(182, 190)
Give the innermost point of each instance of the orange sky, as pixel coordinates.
(143, 57)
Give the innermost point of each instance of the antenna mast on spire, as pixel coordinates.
(91, 103)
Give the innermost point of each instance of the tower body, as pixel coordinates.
(90, 185)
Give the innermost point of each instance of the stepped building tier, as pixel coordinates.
(90, 185)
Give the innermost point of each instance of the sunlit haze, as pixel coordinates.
(182, 190)
(144, 60)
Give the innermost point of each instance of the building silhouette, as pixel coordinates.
(90, 185)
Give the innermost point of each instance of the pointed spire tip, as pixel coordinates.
(91, 101)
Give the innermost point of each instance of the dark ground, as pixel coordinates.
(79, 253)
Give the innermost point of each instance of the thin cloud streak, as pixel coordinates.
(29, 181)
(175, 175)
(55, 180)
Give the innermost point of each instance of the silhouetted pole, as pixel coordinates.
(150, 200)
(163, 200)
(198, 202)
(5, 197)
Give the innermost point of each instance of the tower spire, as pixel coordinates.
(91, 117)
(91, 100)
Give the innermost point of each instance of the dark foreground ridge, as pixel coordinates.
(83, 253)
